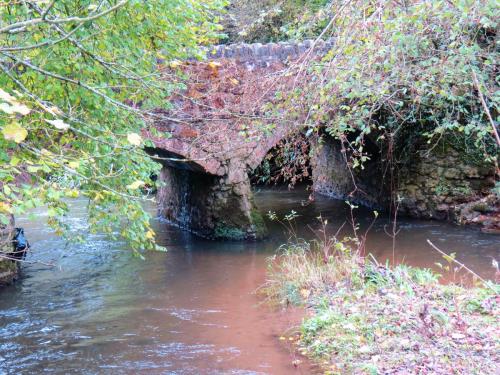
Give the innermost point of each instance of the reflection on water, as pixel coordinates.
(192, 310)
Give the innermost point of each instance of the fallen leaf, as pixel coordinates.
(214, 64)
(175, 64)
(74, 164)
(14, 108)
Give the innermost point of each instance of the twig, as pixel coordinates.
(488, 114)
(460, 264)
(36, 21)
(3, 256)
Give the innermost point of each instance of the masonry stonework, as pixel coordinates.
(211, 149)
(444, 186)
(216, 207)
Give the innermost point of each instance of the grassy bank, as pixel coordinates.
(367, 318)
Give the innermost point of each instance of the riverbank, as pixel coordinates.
(367, 318)
(9, 269)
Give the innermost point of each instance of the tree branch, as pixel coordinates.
(35, 21)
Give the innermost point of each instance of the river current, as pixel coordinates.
(192, 310)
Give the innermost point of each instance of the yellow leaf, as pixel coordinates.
(175, 64)
(234, 81)
(14, 161)
(72, 193)
(134, 139)
(150, 234)
(135, 185)
(5, 207)
(214, 64)
(74, 164)
(14, 132)
(214, 67)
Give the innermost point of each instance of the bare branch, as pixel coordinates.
(485, 107)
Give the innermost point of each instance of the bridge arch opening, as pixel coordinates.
(337, 175)
(326, 165)
(286, 163)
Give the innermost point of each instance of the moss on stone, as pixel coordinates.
(259, 225)
(255, 229)
(8, 268)
(225, 231)
(8, 271)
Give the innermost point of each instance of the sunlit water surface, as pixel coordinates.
(192, 310)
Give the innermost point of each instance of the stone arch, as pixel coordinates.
(296, 146)
(331, 170)
(334, 176)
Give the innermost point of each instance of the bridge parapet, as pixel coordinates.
(269, 52)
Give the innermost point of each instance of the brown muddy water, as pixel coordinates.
(192, 310)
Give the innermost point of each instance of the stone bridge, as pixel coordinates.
(221, 126)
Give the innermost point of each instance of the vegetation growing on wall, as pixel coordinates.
(408, 75)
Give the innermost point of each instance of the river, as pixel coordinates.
(192, 310)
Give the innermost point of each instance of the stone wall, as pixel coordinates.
(332, 176)
(264, 54)
(443, 185)
(210, 206)
(435, 185)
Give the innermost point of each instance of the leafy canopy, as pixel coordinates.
(413, 72)
(78, 79)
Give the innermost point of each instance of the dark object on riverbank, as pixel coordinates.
(20, 244)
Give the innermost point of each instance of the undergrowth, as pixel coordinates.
(368, 318)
